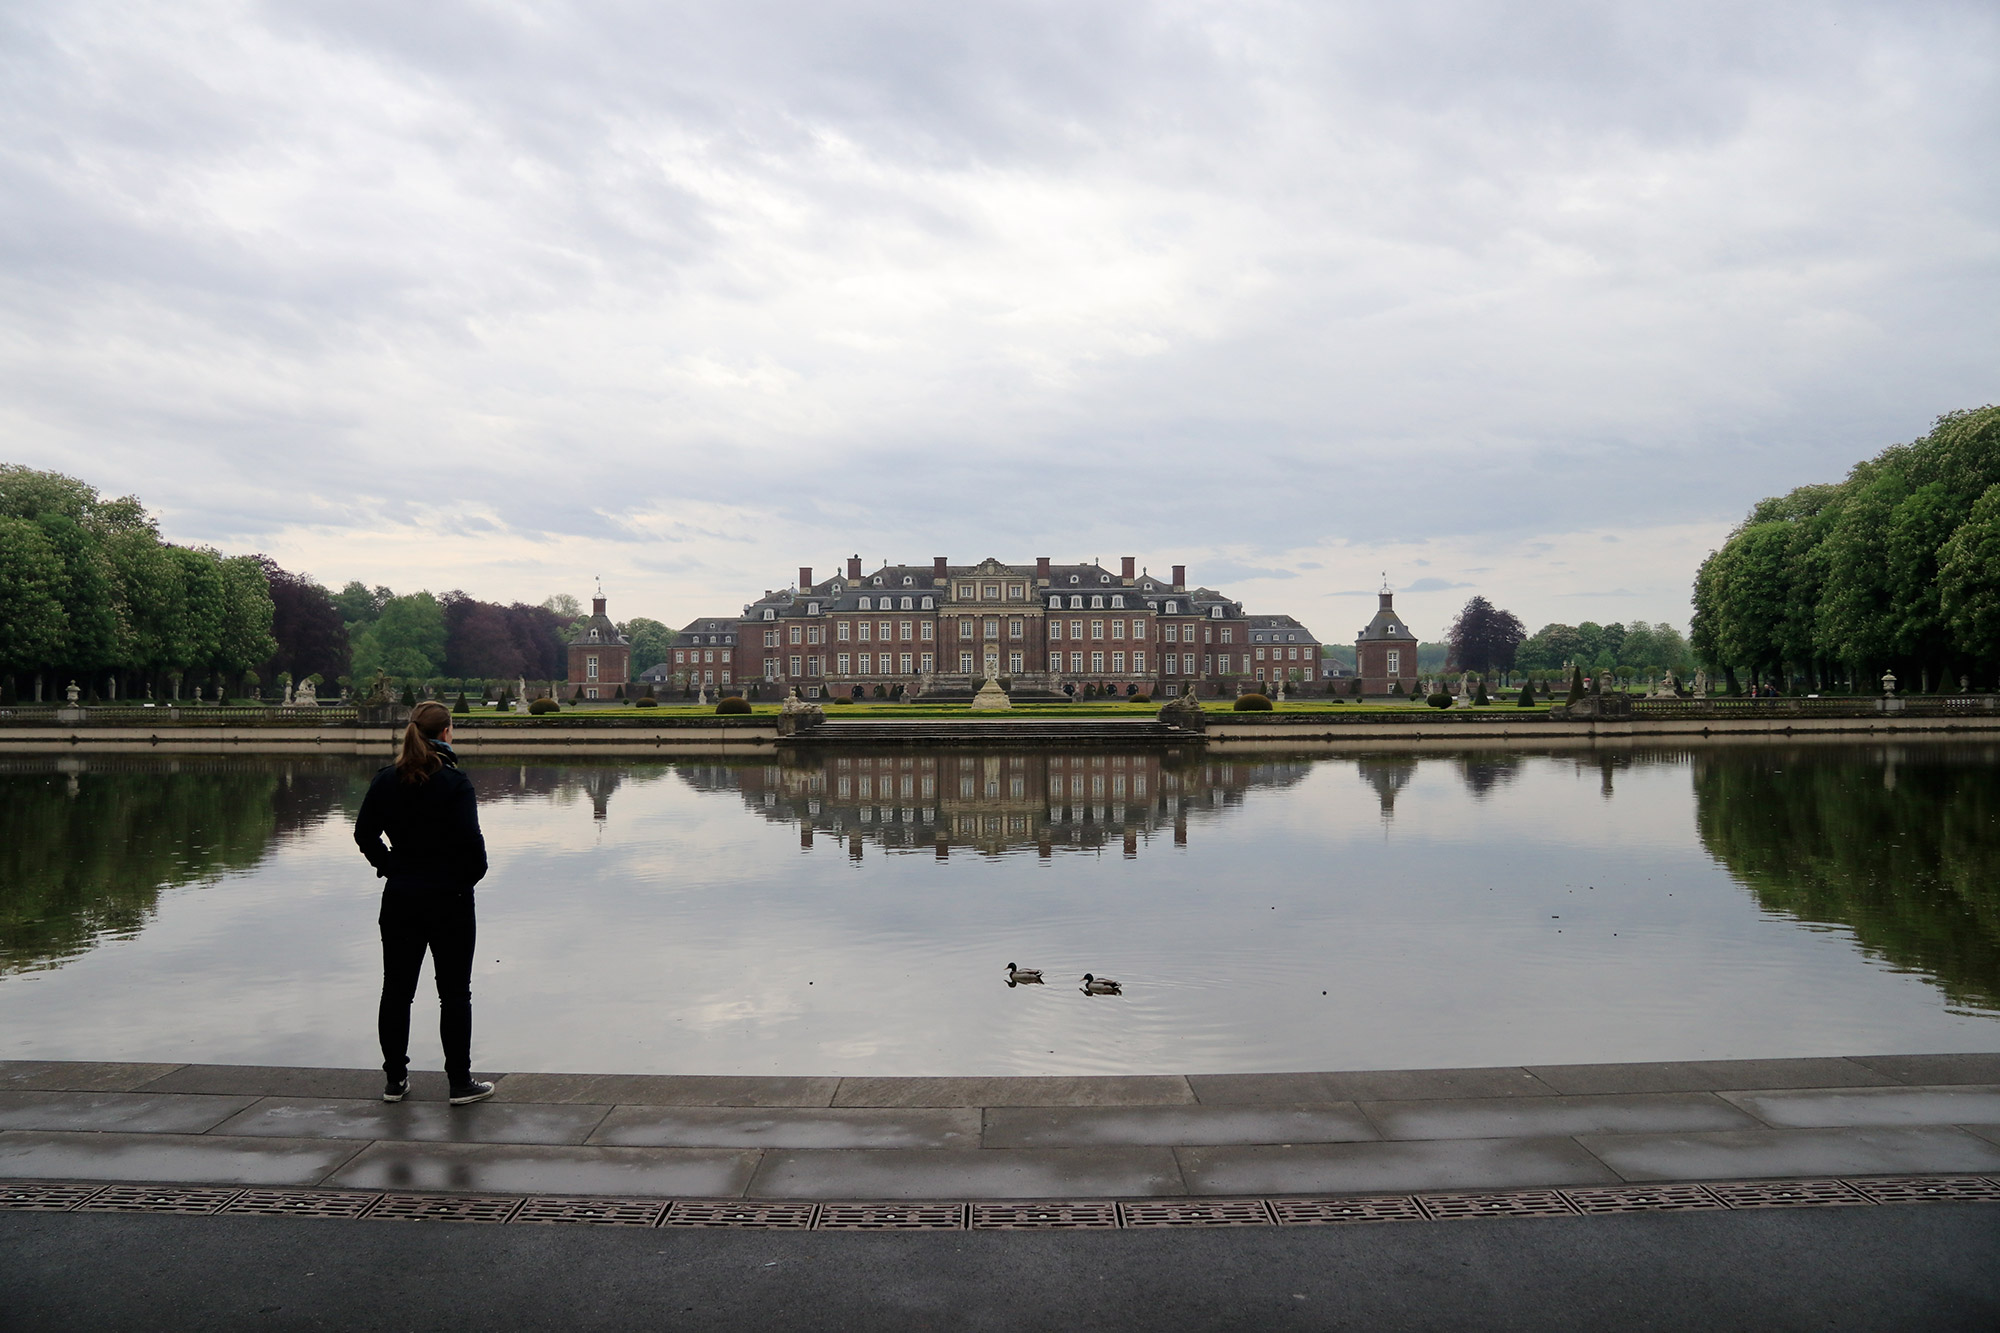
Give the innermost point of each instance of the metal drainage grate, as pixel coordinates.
(301, 1203)
(730, 1213)
(444, 1208)
(1643, 1199)
(1787, 1194)
(1926, 1189)
(602, 1212)
(150, 1199)
(891, 1217)
(1043, 1216)
(1511, 1203)
(36, 1198)
(1196, 1213)
(1362, 1208)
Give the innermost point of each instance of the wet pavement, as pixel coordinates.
(1007, 1138)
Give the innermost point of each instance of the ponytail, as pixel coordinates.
(419, 757)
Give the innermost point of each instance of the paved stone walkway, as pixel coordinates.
(1008, 1138)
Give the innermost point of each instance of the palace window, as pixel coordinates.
(812, 608)
(1096, 629)
(1097, 602)
(907, 627)
(1076, 629)
(1097, 664)
(812, 634)
(1260, 654)
(798, 634)
(1076, 663)
(1117, 629)
(843, 631)
(1138, 664)
(1014, 629)
(908, 581)
(590, 693)
(1395, 662)
(864, 630)
(590, 668)
(907, 605)
(965, 663)
(1117, 664)
(769, 614)
(796, 661)
(1171, 634)
(1055, 629)
(924, 664)
(1226, 633)
(842, 664)
(1207, 664)
(1055, 603)
(924, 631)
(886, 635)
(1014, 591)
(906, 663)
(929, 603)
(770, 668)
(965, 590)
(1215, 612)
(992, 628)
(1072, 578)
(1014, 662)
(1104, 578)
(965, 627)
(679, 658)
(868, 663)
(1055, 663)
(813, 665)
(992, 592)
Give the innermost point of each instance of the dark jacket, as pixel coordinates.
(433, 828)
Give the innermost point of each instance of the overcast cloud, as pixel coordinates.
(1531, 300)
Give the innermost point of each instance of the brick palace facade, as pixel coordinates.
(1044, 625)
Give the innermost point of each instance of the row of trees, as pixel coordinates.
(1595, 647)
(1897, 567)
(89, 592)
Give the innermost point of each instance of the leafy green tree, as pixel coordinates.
(407, 639)
(359, 605)
(198, 633)
(32, 623)
(247, 614)
(651, 642)
(1969, 578)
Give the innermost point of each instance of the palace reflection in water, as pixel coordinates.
(998, 801)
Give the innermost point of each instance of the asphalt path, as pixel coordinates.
(1933, 1266)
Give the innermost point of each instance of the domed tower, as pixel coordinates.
(600, 658)
(1385, 653)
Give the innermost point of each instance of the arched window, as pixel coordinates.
(1097, 602)
(1173, 608)
(906, 601)
(928, 604)
(812, 608)
(769, 614)
(868, 603)
(1055, 603)
(1117, 601)
(1076, 603)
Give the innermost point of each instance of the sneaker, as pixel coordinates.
(474, 1091)
(396, 1090)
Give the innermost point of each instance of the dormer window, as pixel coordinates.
(1173, 608)
(593, 636)
(836, 588)
(1055, 603)
(1076, 603)
(928, 603)
(1118, 601)
(1097, 603)
(908, 581)
(769, 614)
(1149, 587)
(812, 608)
(1104, 578)
(868, 604)
(906, 601)
(1215, 613)
(1072, 578)
(877, 580)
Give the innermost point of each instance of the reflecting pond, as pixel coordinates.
(852, 912)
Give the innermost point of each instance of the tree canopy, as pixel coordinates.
(1890, 568)
(1483, 638)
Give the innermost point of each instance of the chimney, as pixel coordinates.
(597, 606)
(805, 578)
(1042, 570)
(853, 567)
(938, 574)
(1131, 563)
(1180, 577)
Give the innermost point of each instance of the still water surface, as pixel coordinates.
(853, 915)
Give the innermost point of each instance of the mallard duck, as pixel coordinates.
(1023, 976)
(1101, 986)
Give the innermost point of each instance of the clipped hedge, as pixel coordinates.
(733, 704)
(1442, 699)
(648, 702)
(540, 706)
(1253, 703)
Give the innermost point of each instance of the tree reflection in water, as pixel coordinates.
(1896, 843)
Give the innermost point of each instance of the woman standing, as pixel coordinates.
(434, 857)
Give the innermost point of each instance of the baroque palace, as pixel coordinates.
(936, 630)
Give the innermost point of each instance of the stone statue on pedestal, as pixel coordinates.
(71, 694)
(308, 696)
(991, 698)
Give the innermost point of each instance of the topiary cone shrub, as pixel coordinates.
(1575, 685)
(540, 706)
(733, 704)
(1253, 703)
(461, 707)
(1480, 698)
(1527, 699)
(1442, 699)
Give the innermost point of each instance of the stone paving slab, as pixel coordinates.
(429, 1122)
(1173, 1126)
(1962, 1105)
(132, 1112)
(1751, 1153)
(787, 1127)
(1114, 1090)
(1930, 1070)
(78, 1075)
(1540, 1117)
(289, 1081)
(991, 1173)
(1379, 1085)
(1710, 1076)
(666, 1089)
(204, 1158)
(1417, 1164)
(510, 1168)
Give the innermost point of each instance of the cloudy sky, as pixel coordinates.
(1532, 300)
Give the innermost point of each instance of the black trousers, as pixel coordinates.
(414, 920)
